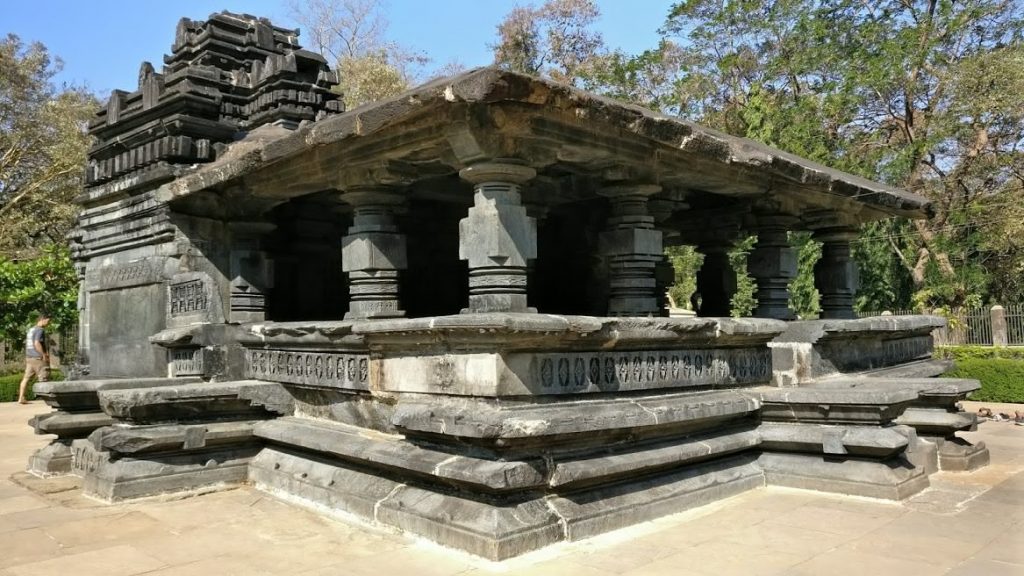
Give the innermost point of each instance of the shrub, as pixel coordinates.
(1002, 379)
(959, 353)
(9, 386)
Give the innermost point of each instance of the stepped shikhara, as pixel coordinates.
(444, 312)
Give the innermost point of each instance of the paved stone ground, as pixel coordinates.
(966, 524)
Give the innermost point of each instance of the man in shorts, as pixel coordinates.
(37, 358)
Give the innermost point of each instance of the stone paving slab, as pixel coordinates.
(965, 524)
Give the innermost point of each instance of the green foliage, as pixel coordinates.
(959, 353)
(803, 296)
(685, 261)
(928, 96)
(9, 386)
(743, 301)
(554, 40)
(1000, 370)
(350, 34)
(43, 147)
(47, 282)
(1002, 379)
(884, 283)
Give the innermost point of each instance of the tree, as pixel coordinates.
(685, 263)
(45, 283)
(923, 94)
(43, 145)
(351, 35)
(554, 40)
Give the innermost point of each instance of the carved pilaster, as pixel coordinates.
(252, 272)
(633, 249)
(497, 238)
(373, 253)
(772, 263)
(835, 274)
(716, 280)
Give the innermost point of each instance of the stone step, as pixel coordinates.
(172, 437)
(498, 527)
(506, 424)
(128, 477)
(866, 441)
(857, 401)
(891, 479)
(83, 395)
(375, 449)
(937, 422)
(645, 459)
(70, 425)
(922, 369)
(242, 399)
(554, 470)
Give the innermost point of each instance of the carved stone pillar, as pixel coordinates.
(497, 238)
(772, 263)
(835, 274)
(633, 249)
(716, 280)
(373, 253)
(252, 272)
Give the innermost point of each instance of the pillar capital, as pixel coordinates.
(836, 234)
(623, 189)
(497, 171)
(372, 195)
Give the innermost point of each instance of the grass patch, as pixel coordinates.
(999, 369)
(9, 386)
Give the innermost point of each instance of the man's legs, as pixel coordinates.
(33, 367)
(29, 371)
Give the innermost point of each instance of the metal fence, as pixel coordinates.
(975, 326)
(63, 348)
(1015, 324)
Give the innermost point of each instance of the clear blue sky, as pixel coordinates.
(103, 42)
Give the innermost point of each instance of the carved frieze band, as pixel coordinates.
(84, 459)
(325, 369)
(188, 298)
(607, 371)
(144, 271)
(187, 362)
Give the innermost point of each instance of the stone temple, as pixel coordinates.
(444, 312)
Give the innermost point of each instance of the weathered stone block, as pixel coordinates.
(893, 479)
(373, 251)
(113, 479)
(631, 242)
(602, 509)
(497, 234)
(54, 459)
(865, 441)
(959, 455)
